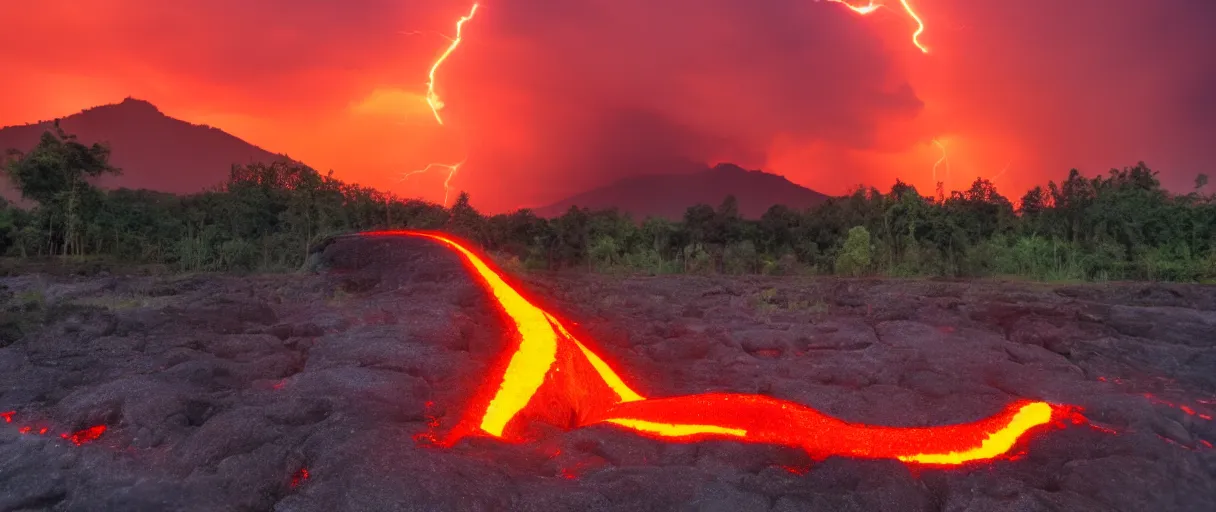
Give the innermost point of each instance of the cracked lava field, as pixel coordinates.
(383, 379)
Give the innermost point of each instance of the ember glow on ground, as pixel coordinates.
(78, 438)
(548, 365)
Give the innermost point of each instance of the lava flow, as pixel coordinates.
(551, 376)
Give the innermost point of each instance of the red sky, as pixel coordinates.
(547, 98)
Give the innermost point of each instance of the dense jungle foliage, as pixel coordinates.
(1123, 225)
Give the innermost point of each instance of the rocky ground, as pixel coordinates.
(317, 391)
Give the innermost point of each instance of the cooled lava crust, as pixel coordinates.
(332, 389)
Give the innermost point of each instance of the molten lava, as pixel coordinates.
(84, 436)
(299, 477)
(551, 376)
(768, 420)
(78, 438)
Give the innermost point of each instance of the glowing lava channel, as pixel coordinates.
(537, 352)
(552, 376)
(537, 348)
(768, 420)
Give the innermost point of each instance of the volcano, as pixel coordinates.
(154, 151)
(669, 195)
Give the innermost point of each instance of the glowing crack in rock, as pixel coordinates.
(84, 436)
(299, 477)
(548, 375)
(78, 438)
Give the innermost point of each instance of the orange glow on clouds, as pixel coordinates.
(392, 103)
(551, 376)
(555, 98)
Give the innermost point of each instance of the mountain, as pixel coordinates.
(153, 150)
(669, 195)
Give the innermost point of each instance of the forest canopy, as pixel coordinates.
(266, 216)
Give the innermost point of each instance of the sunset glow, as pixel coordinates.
(546, 102)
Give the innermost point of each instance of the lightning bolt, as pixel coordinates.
(432, 98)
(940, 160)
(920, 25)
(452, 170)
(874, 5)
(1002, 173)
(436, 103)
(859, 9)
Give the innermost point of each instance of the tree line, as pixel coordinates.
(266, 216)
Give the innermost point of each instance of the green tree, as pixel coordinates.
(854, 256)
(465, 221)
(571, 238)
(55, 174)
(605, 252)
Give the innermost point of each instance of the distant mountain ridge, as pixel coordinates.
(669, 195)
(153, 150)
(158, 152)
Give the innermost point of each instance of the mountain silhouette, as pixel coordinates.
(153, 150)
(669, 195)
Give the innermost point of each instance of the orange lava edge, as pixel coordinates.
(551, 376)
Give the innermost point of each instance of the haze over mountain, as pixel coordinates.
(153, 150)
(669, 195)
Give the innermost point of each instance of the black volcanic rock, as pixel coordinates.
(305, 393)
(669, 195)
(153, 150)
